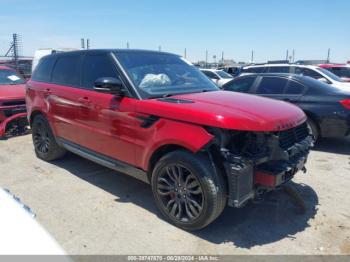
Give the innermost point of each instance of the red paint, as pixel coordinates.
(264, 179)
(4, 123)
(345, 103)
(9, 93)
(110, 125)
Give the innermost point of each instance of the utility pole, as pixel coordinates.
(222, 57)
(328, 55)
(287, 54)
(88, 43)
(185, 53)
(293, 56)
(160, 48)
(82, 42)
(206, 58)
(15, 50)
(127, 45)
(252, 59)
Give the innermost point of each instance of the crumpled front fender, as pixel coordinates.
(4, 123)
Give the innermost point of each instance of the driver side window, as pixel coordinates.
(96, 66)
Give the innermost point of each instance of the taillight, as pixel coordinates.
(345, 103)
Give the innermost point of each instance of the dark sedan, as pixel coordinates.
(327, 108)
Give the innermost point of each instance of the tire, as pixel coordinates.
(313, 129)
(198, 199)
(45, 145)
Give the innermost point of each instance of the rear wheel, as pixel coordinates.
(45, 144)
(187, 190)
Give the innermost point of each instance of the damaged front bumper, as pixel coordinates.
(12, 118)
(249, 177)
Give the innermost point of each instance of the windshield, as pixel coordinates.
(9, 77)
(330, 74)
(157, 75)
(341, 71)
(223, 74)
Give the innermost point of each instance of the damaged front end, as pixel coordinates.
(257, 162)
(13, 118)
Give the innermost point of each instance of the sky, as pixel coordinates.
(236, 27)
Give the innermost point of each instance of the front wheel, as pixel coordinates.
(187, 190)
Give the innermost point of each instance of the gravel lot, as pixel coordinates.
(89, 209)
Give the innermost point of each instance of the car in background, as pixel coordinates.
(315, 72)
(219, 77)
(12, 102)
(341, 70)
(327, 108)
(232, 70)
(23, 66)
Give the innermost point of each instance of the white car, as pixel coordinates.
(315, 72)
(20, 233)
(219, 77)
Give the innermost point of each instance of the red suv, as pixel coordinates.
(156, 117)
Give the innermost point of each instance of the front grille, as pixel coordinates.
(288, 138)
(14, 103)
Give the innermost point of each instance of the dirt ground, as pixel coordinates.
(90, 209)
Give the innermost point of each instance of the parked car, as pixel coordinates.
(341, 70)
(232, 70)
(12, 102)
(219, 77)
(327, 108)
(156, 117)
(315, 72)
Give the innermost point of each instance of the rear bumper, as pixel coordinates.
(247, 179)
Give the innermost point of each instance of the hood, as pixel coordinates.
(12, 92)
(225, 109)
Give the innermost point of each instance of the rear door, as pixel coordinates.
(272, 87)
(294, 91)
(242, 84)
(64, 95)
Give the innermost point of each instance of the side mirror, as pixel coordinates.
(109, 85)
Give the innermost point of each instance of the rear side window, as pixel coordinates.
(307, 72)
(278, 69)
(240, 84)
(254, 70)
(272, 85)
(43, 71)
(210, 75)
(67, 70)
(294, 88)
(96, 66)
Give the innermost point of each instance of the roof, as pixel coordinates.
(111, 50)
(276, 65)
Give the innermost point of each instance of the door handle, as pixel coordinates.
(84, 101)
(47, 91)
